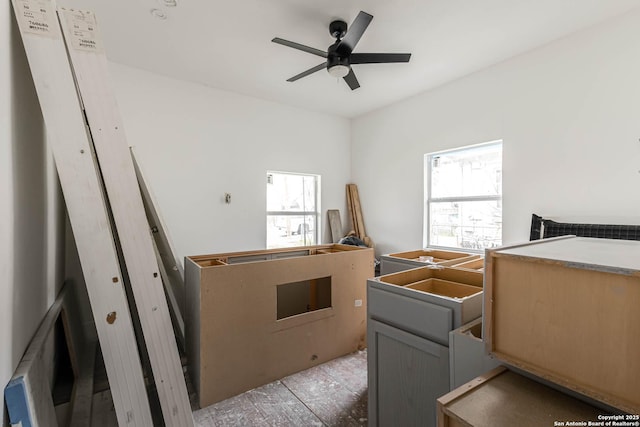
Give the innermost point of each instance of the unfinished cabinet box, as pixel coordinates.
(502, 398)
(400, 261)
(566, 310)
(255, 317)
(428, 302)
(476, 264)
(410, 315)
(467, 354)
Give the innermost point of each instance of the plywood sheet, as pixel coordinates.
(335, 224)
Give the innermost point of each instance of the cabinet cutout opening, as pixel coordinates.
(303, 297)
(476, 331)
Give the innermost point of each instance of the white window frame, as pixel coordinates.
(315, 213)
(428, 199)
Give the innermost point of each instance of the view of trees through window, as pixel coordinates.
(464, 197)
(293, 209)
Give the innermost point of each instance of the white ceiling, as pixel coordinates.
(227, 44)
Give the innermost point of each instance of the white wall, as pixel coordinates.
(569, 116)
(196, 143)
(31, 207)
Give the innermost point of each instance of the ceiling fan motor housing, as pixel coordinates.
(338, 29)
(335, 57)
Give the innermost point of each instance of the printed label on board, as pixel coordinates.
(82, 30)
(37, 17)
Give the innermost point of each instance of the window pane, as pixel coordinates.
(292, 209)
(293, 193)
(473, 172)
(309, 193)
(290, 230)
(468, 225)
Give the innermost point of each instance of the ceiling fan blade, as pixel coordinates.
(351, 80)
(355, 31)
(378, 58)
(309, 71)
(300, 47)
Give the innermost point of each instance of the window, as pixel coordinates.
(463, 197)
(293, 209)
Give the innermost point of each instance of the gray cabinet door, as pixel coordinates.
(407, 374)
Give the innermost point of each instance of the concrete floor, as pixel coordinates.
(331, 394)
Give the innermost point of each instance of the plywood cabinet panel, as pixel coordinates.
(237, 336)
(503, 398)
(566, 309)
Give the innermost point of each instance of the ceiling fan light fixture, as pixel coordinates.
(339, 71)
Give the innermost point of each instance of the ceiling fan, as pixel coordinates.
(340, 55)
